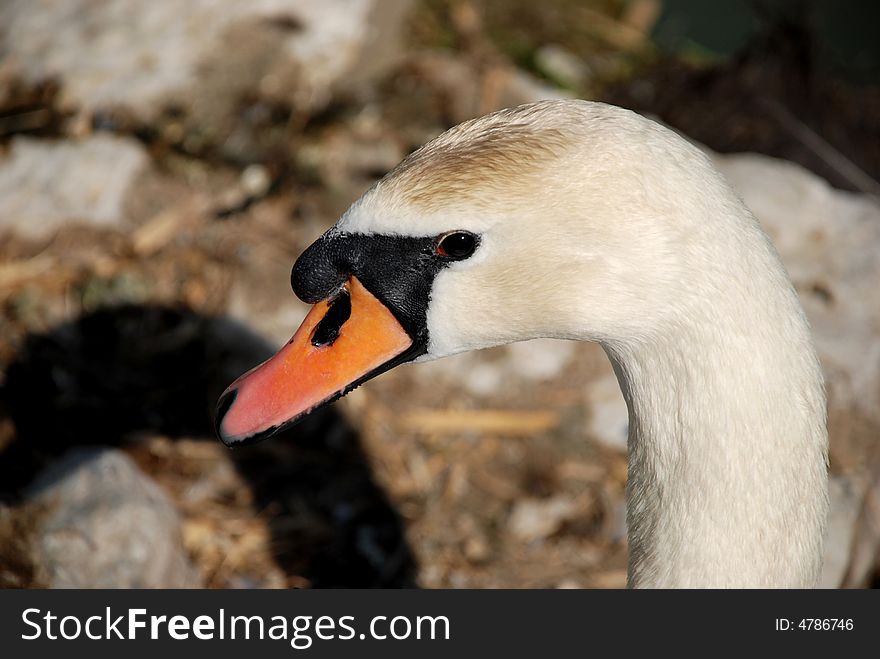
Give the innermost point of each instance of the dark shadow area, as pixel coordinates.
(110, 375)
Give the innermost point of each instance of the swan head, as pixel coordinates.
(558, 219)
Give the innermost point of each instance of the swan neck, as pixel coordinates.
(727, 455)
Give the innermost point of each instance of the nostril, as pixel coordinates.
(328, 329)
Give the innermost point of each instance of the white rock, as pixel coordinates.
(44, 184)
(534, 519)
(561, 65)
(471, 370)
(141, 53)
(568, 584)
(255, 180)
(540, 359)
(487, 373)
(483, 379)
(865, 559)
(852, 539)
(846, 503)
(107, 525)
(609, 418)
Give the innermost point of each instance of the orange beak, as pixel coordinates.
(341, 343)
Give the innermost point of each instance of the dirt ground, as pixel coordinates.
(427, 476)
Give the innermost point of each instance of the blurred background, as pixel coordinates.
(162, 164)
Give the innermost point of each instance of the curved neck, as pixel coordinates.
(727, 450)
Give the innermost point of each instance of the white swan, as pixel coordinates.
(583, 221)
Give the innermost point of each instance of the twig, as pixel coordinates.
(853, 174)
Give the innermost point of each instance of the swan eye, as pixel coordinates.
(457, 245)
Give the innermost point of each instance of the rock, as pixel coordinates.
(561, 65)
(107, 525)
(609, 418)
(142, 55)
(46, 184)
(846, 503)
(540, 359)
(852, 539)
(617, 527)
(524, 362)
(536, 519)
(482, 379)
(568, 584)
(864, 565)
(255, 180)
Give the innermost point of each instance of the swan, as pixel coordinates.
(584, 221)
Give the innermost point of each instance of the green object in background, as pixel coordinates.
(850, 31)
(845, 31)
(711, 29)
